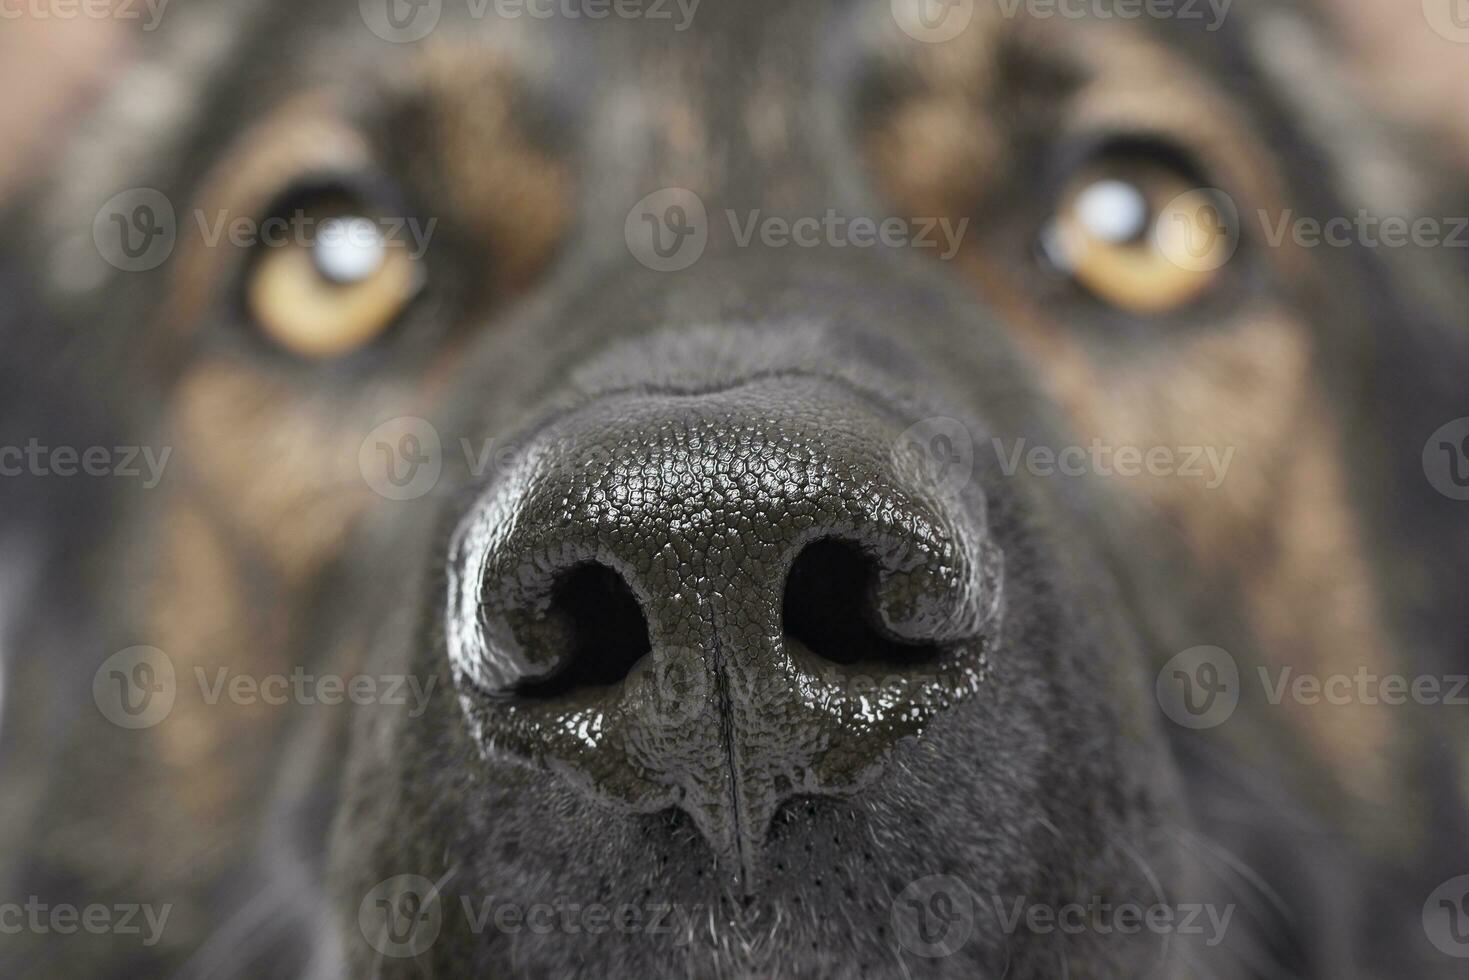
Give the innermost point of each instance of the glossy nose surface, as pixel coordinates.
(719, 601)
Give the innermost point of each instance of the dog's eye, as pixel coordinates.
(331, 285)
(1139, 234)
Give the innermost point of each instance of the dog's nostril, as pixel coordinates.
(829, 608)
(600, 630)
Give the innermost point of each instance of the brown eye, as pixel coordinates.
(333, 285)
(1140, 235)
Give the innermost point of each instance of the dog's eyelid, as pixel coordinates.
(368, 190)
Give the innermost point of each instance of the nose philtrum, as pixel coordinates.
(719, 601)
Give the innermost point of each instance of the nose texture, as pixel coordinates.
(719, 601)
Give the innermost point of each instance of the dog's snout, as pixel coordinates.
(719, 601)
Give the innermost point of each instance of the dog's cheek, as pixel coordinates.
(1264, 507)
(275, 464)
(260, 496)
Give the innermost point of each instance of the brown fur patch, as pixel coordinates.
(514, 194)
(1279, 523)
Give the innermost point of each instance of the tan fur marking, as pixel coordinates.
(274, 461)
(514, 194)
(1279, 523)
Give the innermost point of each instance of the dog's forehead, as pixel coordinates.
(685, 90)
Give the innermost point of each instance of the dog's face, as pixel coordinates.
(812, 471)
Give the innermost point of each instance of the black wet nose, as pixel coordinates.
(719, 601)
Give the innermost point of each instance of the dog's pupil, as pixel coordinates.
(348, 250)
(1114, 211)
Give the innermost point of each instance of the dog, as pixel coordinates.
(826, 489)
